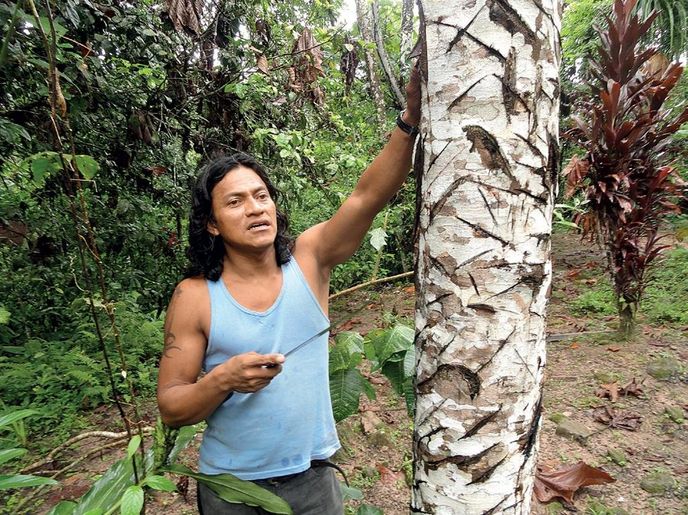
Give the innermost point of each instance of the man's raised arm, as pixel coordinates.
(334, 241)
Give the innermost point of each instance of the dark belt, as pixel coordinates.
(275, 481)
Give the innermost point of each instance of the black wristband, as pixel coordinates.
(408, 129)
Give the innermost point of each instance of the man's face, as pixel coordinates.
(244, 214)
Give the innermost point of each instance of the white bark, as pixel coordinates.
(490, 126)
(406, 41)
(384, 58)
(363, 18)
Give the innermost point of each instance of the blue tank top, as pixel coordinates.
(281, 428)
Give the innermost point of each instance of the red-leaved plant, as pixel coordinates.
(624, 175)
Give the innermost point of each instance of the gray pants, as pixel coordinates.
(313, 492)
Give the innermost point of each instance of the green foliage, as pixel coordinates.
(392, 351)
(346, 381)
(665, 297)
(600, 300)
(14, 481)
(67, 376)
(389, 350)
(672, 24)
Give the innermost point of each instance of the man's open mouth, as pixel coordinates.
(258, 226)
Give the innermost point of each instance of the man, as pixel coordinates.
(253, 297)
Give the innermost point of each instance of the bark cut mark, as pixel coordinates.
(461, 31)
(493, 510)
(503, 14)
(527, 441)
(445, 377)
(487, 205)
(488, 149)
(508, 80)
(458, 99)
(481, 423)
(483, 232)
(436, 208)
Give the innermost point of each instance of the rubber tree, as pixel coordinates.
(488, 164)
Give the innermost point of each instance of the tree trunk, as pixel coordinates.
(384, 58)
(490, 137)
(363, 18)
(406, 39)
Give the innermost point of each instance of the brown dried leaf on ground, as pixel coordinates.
(608, 391)
(387, 475)
(617, 419)
(633, 388)
(565, 481)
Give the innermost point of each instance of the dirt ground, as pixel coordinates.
(583, 354)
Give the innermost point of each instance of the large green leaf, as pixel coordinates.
(110, 488)
(9, 454)
(134, 444)
(186, 434)
(346, 387)
(349, 493)
(410, 395)
(23, 481)
(350, 340)
(63, 508)
(87, 166)
(234, 490)
(394, 371)
(8, 418)
(367, 509)
(391, 341)
(160, 483)
(132, 501)
(410, 362)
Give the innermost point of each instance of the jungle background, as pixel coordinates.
(96, 176)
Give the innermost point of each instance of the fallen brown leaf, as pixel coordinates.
(370, 421)
(617, 419)
(565, 481)
(349, 324)
(632, 388)
(573, 273)
(575, 346)
(377, 379)
(614, 348)
(387, 475)
(608, 391)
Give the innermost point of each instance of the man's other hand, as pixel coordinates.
(250, 372)
(412, 114)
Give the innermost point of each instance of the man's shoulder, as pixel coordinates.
(191, 291)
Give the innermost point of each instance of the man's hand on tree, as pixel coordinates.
(250, 372)
(412, 113)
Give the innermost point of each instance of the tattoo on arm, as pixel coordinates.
(169, 344)
(169, 338)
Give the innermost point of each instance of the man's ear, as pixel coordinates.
(212, 228)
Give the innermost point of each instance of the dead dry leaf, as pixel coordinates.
(632, 388)
(370, 421)
(614, 348)
(262, 64)
(565, 481)
(346, 326)
(608, 391)
(387, 475)
(617, 419)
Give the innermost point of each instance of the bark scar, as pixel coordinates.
(488, 149)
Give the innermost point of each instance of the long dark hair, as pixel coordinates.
(206, 251)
